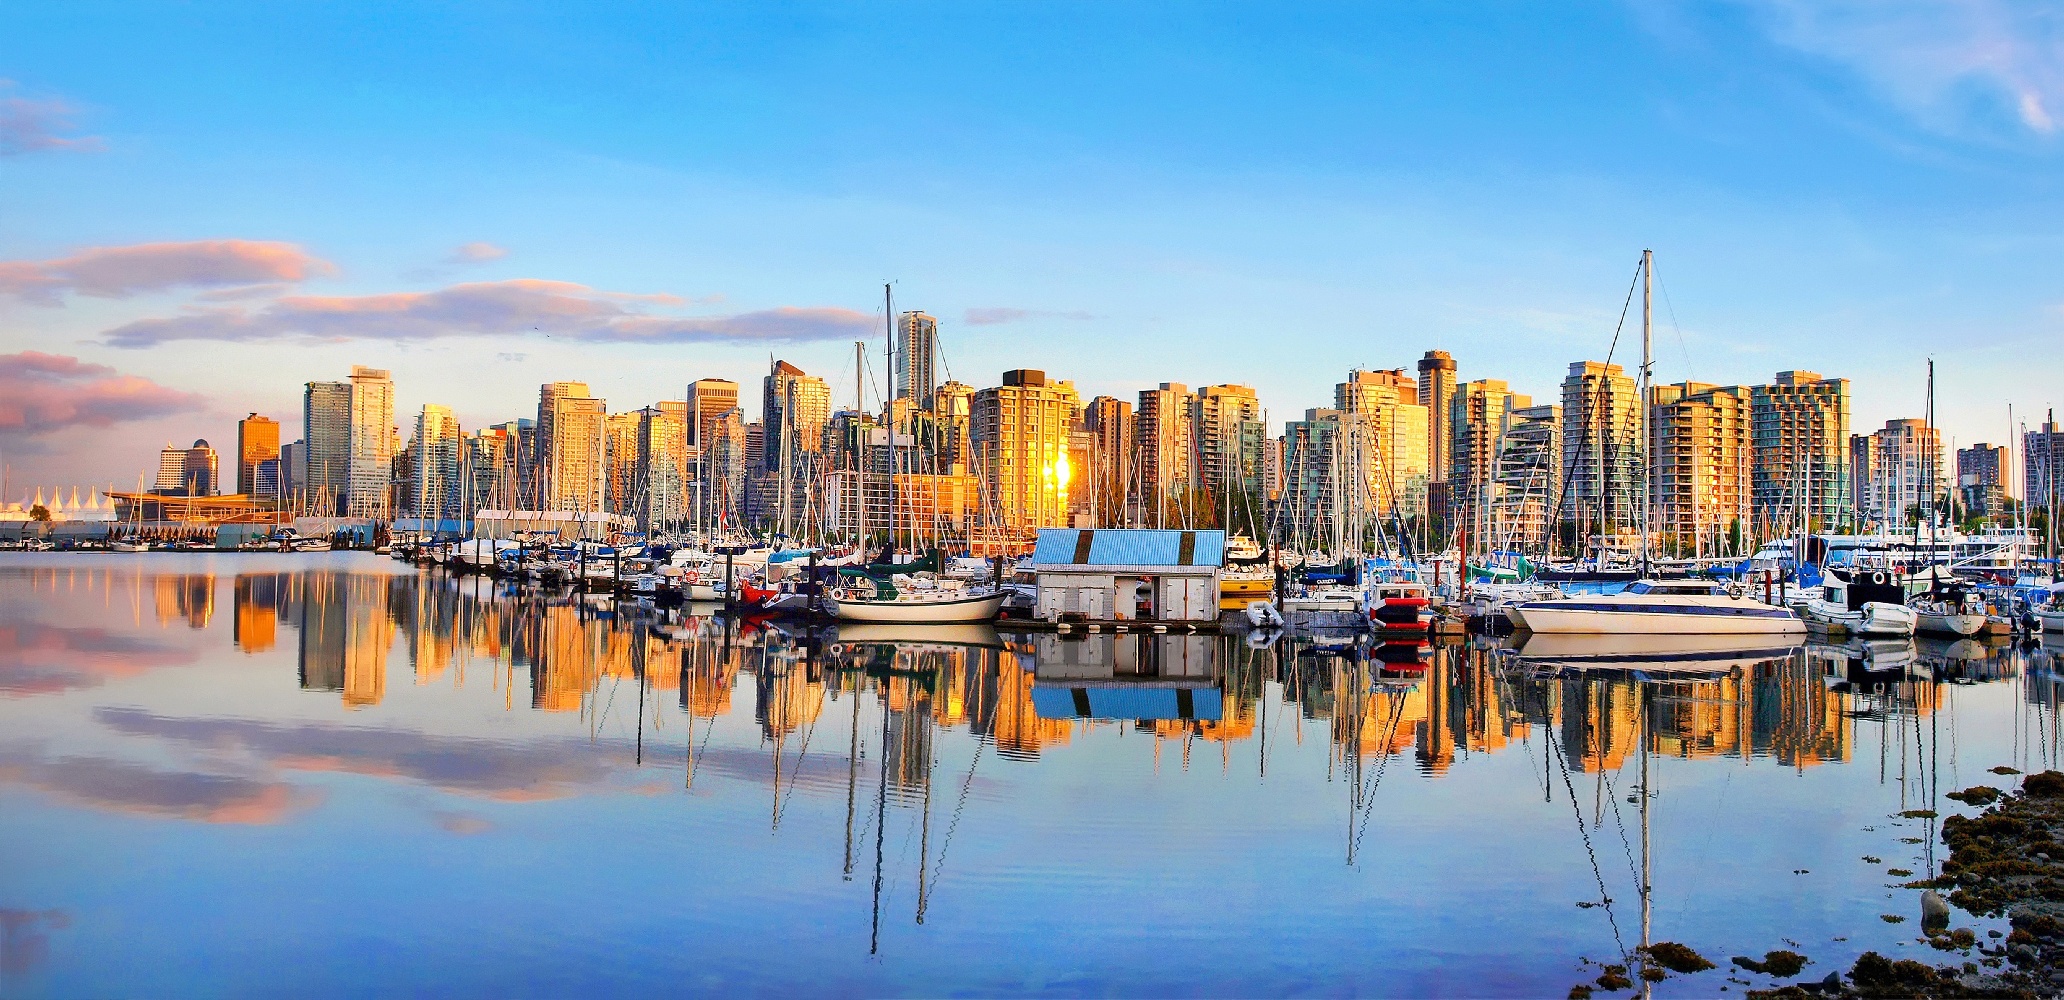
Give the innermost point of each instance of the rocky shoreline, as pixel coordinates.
(2006, 861)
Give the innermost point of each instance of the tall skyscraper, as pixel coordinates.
(549, 395)
(1799, 430)
(1905, 473)
(1529, 477)
(1389, 429)
(1479, 414)
(1601, 448)
(372, 445)
(663, 467)
(917, 351)
(202, 470)
(1317, 480)
(1983, 478)
(1020, 439)
(437, 490)
(1436, 387)
(1164, 442)
(171, 480)
(709, 400)
(257, 441)
(574, 456)
(326, 463)
(1107, 478)
(1229, 432)
(624, 482)
(489, 467)
(794, 408)
(2042, 469)
(1701, 471)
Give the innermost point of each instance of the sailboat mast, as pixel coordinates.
(860, 444)
(889, 335)
(1641, 400)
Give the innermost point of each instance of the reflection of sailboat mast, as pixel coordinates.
(852, 779)
(881, 810)
(1647, 735)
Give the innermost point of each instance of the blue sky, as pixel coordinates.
(1127, 194)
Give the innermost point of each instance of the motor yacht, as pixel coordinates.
(1661, 607)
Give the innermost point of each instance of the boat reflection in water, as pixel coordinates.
(929, 797)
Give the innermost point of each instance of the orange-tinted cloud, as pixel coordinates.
(521, 306)
(41, 393)
(476, 253)
(120, 786)
(119, 272)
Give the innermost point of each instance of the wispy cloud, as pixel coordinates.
(120, 786)
(28, 125)
(119, 272)
(524, 306)
(476, 253)
(994, 315)
(1935, 58)
(42, 393)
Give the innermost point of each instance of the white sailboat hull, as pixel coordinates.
(977, 608)
(1951, 624)
(1875, 619)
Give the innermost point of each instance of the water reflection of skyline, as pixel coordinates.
(1029, 694)
(417, 692)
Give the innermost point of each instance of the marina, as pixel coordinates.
(640, 786)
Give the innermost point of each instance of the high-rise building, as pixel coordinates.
(1105, 480)
(1983, 476)
(1799, 431)
(710, 400)
(574, 454)
(1390, 431)
(549, 395)
(917, 351)
(624, 481)
(293, 473)
(663, 467)
(201, 470)
(952, 406)
(326, 430)
(1479, 414)
(370, 461)
(1860, 465)
(1601, 448)
(490, 468)
(1163, 448)
(2042, 469)
(1315, 482)
(436, 489)
(1701, 471)
(171, 480)
(257, 441)
(1229, 430)
(1020, 437)
(1529, 477)
(1905, 473)
(1436, 387)
(794, 408)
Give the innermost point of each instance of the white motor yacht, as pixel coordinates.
(1866, 605)
(1661, 607)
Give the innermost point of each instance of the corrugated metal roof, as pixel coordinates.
(1129, 547)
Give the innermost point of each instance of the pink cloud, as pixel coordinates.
(42, 393)
(32, 126)
(476, 253)
(118, 272)
(491, 308)
(993, 315)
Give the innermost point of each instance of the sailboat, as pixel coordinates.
(902, 599)
(1651, 606)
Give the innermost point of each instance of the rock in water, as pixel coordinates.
(1934, 910)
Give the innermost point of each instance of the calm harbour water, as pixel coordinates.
(332, 774)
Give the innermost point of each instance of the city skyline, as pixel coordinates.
(1805, 192)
